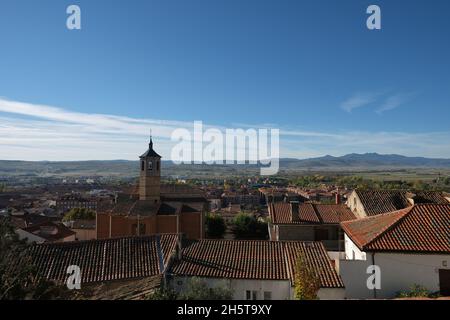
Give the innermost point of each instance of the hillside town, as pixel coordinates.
(258, 240)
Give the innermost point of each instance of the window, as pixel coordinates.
(251, 295)
(141, 229)
(267, 295)
(150, 165)
(142, 165)
(157, 166)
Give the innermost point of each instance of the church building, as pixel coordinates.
(155, 208)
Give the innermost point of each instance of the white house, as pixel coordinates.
(254, 269)
(410, 246)
(47, 231)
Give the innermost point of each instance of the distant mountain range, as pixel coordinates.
(367, 161)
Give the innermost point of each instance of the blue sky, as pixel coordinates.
(310, 68)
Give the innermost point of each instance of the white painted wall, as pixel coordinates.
(280, 289)
(355, 204)
(30, 238)
(399, 271)
(331, 294)
(352, 252)
(85, 234)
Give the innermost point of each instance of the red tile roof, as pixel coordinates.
(333, 213)
(420, 228)
(132, 206)
(382, 201)
(306, 214)
(281, 213)
(104, 260)
(316, 258)
(254, 259)
(50, 231)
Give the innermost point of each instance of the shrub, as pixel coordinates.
(416, 291)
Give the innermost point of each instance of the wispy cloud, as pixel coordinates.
(39, 132)
(358, 100)
(394, 101)
(385, 101)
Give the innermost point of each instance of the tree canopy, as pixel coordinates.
(306, 282)
(215, 226)
(79, 214)
(247, 226)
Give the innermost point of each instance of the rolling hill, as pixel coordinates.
(367, 161)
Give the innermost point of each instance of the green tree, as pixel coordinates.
(306, 281)
(215, 226)
(247, 226)
(79, 214)
(446, 181)
(19, 279)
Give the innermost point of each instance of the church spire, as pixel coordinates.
(150, 152)
(151, 140)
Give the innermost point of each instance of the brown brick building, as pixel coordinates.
(155, 208)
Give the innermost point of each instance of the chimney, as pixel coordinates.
(337, 198)
(410, 197)
(294, 210)
(447, 196)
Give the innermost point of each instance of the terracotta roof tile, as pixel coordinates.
(253, 259)
(316, 258)
(419, 228)
(309, 213)
(49, 230)
(333, 213)
(306, 214)
(382, 201)
(104, 260)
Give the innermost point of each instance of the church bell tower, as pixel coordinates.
(150, 175)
